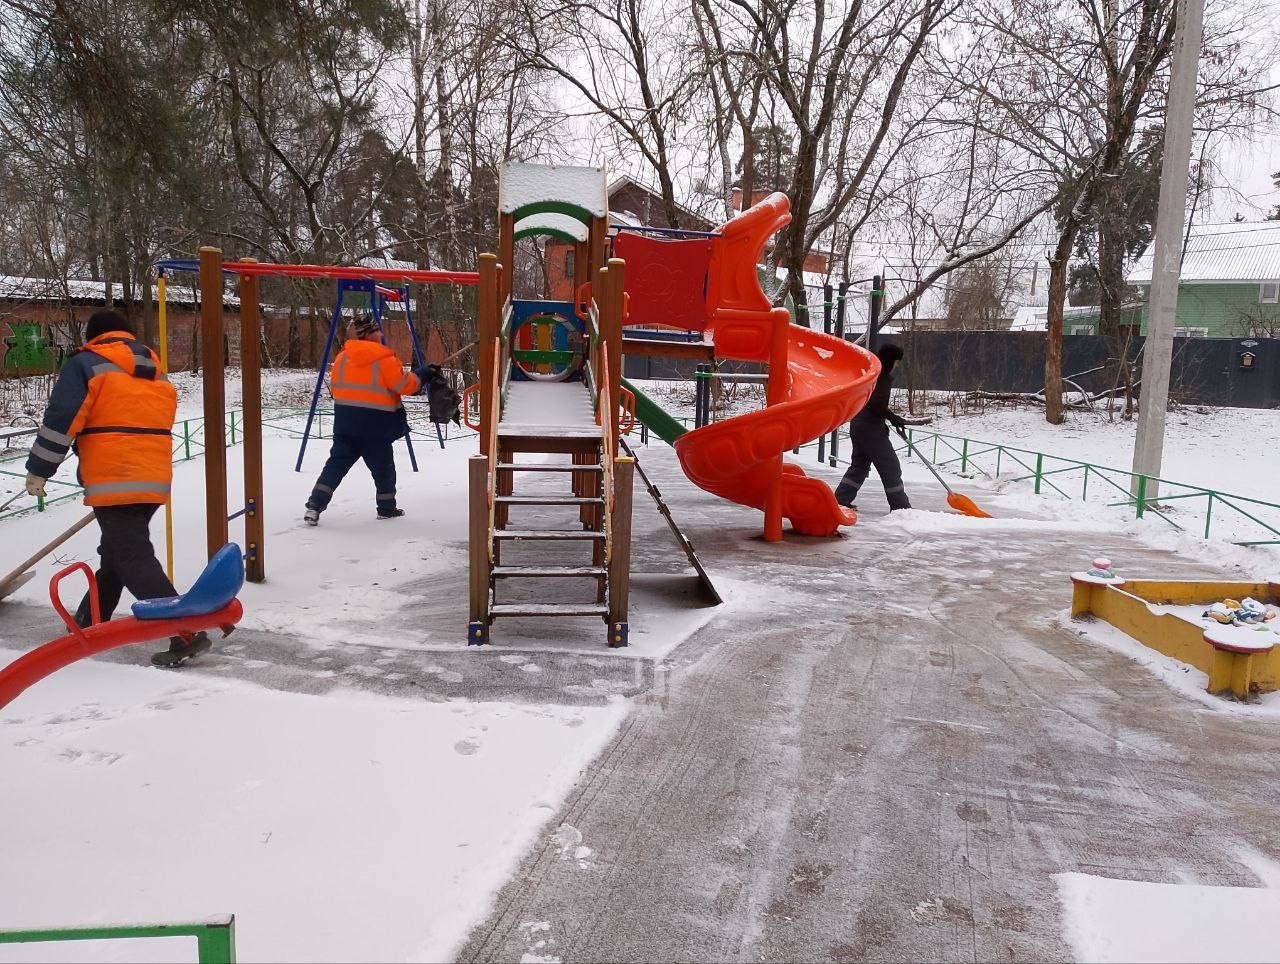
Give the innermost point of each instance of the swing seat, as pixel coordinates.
(213, 589)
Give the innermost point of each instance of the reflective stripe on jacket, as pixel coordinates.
(367, 374)
(114, 406)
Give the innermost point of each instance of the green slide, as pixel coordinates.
(651, 414)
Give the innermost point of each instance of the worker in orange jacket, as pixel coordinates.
(114, 406)
(367, 381)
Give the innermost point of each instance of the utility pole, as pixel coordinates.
(1157, 353)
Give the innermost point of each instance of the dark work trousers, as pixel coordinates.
(128, 559)
(346, 451)
(871, 446)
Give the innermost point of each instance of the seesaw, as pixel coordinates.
(210, 603)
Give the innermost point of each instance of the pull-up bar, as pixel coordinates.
(338, 272)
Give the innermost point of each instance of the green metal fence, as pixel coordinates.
(1210, 513)
(1242, 519)
(215, 938)
(188, 443)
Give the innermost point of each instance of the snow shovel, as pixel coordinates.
(961, 503)
(22, 575)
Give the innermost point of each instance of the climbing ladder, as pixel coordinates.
(550, 496)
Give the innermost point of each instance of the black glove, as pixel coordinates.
(897, 421)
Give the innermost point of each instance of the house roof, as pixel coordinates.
(16, 288)
(624, 180)
(1247, 253)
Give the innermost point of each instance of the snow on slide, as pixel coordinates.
(342, 827)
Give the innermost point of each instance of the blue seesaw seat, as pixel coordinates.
(213, 589)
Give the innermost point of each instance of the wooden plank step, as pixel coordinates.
(549, 609)
(548, 534)
(531, 572)
(548, 467)
(508, 430)
(548, 500)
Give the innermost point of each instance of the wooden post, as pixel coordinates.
(255, 566)
(597, 245)
(213, 368)
(486, 332)
(506, 256)
(620, 557)
(611, 308)
(478, 540)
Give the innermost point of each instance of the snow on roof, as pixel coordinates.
(548, 222)
(618, 183)
(1233, 252)
(15, 288)
(521, 185)
(391, 264)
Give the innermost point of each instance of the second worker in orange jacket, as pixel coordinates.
(367, 381)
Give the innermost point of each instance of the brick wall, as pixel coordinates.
(183, 324)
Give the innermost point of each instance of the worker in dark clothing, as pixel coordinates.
(870, 438)
(114, 406)
(367, 382)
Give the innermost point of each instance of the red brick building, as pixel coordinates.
(57, 308)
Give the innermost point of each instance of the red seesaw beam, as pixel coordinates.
(30, 669)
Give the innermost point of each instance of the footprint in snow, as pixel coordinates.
(466, 747)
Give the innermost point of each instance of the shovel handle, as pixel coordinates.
(48, 549)
(928, 464)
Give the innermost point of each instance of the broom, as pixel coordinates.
(961, 503)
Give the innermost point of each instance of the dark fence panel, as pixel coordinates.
(1206, 371)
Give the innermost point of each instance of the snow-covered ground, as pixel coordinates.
(1234, 450)
(1131, 921)
(337, 828)
(342, 581)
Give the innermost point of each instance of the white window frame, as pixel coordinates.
(1082, 329)
(1269, 293)
(1192, 332)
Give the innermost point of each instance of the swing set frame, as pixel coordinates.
(382, 284)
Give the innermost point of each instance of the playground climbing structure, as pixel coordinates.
(550, 386)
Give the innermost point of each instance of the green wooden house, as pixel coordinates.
(1229, 286)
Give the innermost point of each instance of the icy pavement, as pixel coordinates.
(887, 754)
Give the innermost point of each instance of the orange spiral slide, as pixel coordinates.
(817, 383)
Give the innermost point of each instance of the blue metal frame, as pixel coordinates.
(369, 287)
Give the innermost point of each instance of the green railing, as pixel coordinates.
(1241, 519)
(215, 938)
(188, 443)
(1256, 520)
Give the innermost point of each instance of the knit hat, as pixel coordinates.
(364, 326)
(101, 322)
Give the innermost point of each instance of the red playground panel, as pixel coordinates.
(666, 280)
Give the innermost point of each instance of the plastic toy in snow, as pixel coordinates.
(1101, 572)
(1244, 612)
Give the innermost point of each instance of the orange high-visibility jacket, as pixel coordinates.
(367, 374)
(112, 402)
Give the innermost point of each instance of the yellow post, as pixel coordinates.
(163, 320)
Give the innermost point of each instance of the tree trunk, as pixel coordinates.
(1053, 327)
(293, 357)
